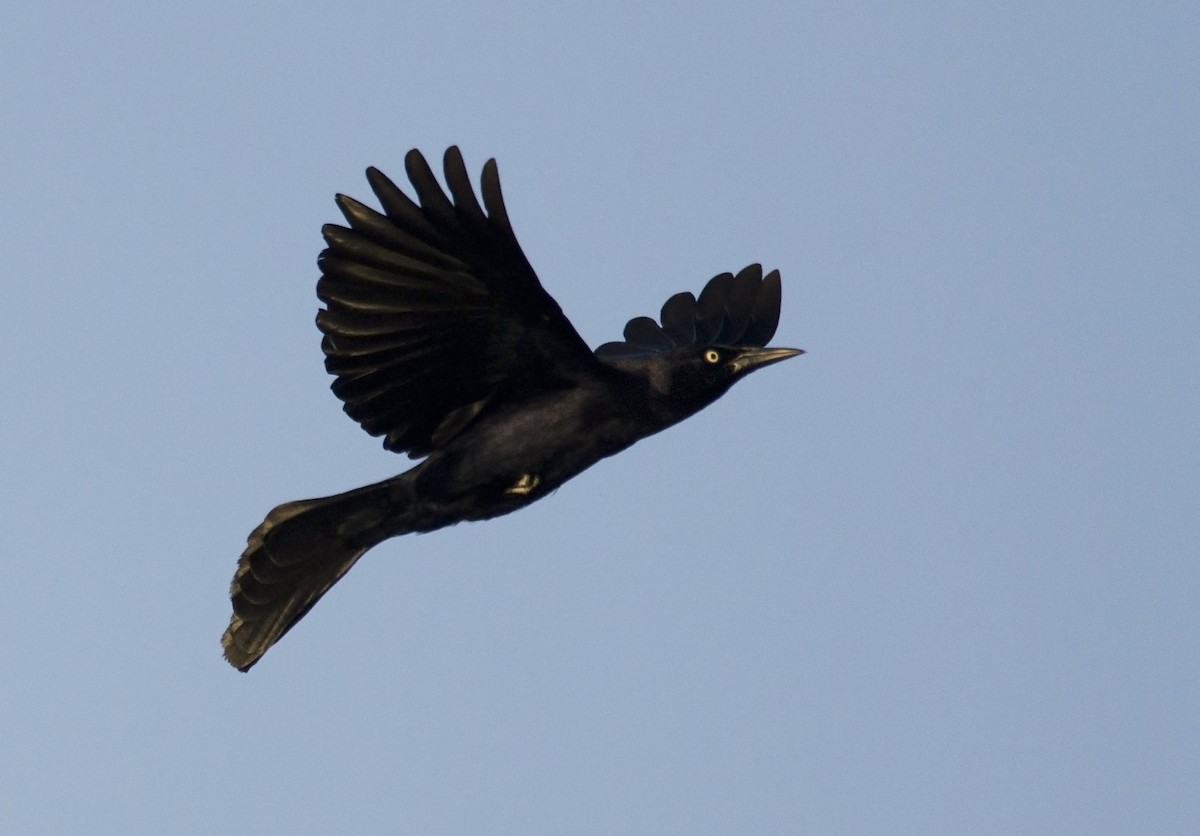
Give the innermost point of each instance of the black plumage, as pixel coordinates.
(443, 341)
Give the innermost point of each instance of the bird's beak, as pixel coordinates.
(756, 358)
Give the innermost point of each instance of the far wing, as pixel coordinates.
(432, 307)
(741, 310)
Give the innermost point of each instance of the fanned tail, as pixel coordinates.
(293, 558)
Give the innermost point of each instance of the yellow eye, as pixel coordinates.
(711, 356)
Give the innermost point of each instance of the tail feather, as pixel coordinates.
(293, 558)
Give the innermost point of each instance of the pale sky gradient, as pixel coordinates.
(938, 576)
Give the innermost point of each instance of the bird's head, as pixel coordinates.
(685, 380)
(705, 345)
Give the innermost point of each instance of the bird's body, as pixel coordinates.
(443, 341)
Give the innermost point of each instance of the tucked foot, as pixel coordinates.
(525, 485)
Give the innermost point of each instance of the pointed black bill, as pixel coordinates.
(756, 358)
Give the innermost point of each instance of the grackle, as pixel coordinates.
(443, 341)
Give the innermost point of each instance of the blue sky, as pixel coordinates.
(937, 576)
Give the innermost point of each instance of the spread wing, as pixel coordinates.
(431, 308)
(741, 310)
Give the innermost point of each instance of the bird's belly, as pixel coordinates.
(507, 462)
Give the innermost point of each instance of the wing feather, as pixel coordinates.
(679, 318)
(764, 316)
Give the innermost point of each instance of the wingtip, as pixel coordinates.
(230, 650)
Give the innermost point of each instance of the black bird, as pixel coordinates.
(443, 341)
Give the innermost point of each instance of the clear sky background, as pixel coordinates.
(937, 576)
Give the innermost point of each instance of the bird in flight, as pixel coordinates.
(442, 340)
